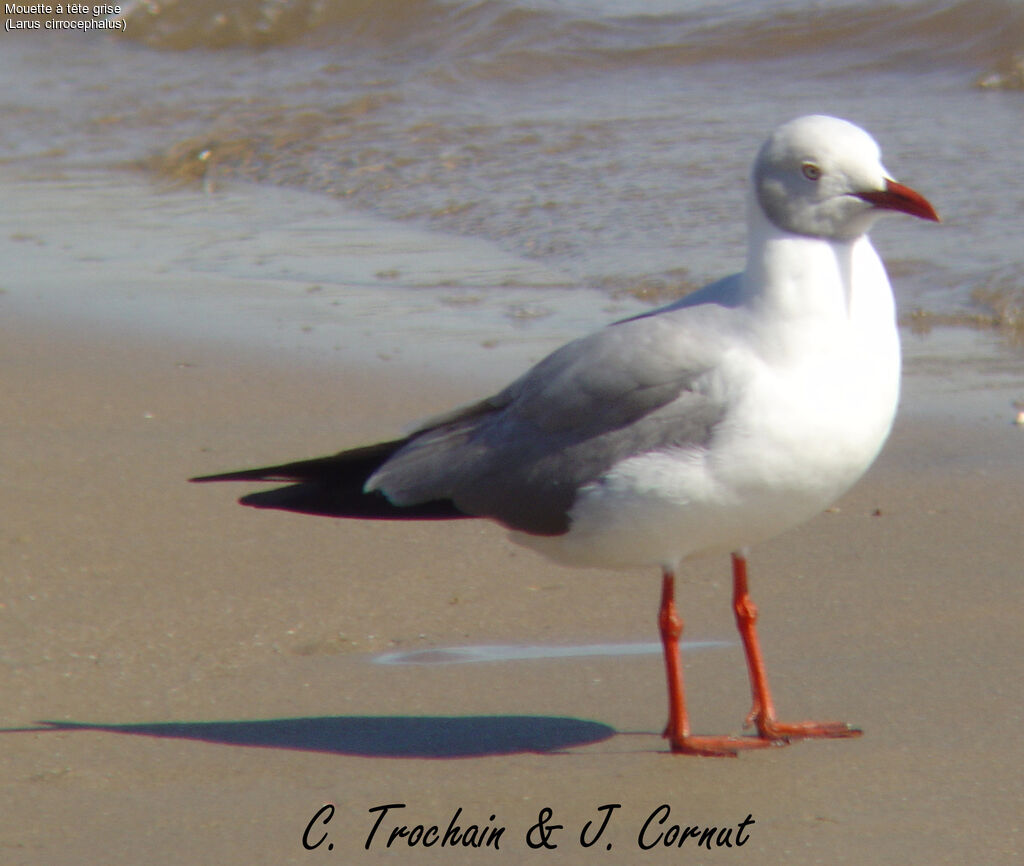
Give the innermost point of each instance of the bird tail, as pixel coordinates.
(333, 487)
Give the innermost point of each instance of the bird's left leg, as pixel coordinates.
(762, 713)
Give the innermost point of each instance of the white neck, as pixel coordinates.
(797, 276)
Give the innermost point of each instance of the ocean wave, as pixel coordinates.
(531, 37)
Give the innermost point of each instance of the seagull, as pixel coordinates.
(700, 428)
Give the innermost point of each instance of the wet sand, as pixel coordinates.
(132, 600)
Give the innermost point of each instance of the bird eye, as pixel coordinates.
(810, 170)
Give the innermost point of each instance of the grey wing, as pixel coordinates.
(522, 456)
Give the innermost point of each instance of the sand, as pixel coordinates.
(210, 668)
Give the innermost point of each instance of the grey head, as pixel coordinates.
(823, 177)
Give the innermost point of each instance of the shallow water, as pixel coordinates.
(602, 144)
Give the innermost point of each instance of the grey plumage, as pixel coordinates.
(522, 456)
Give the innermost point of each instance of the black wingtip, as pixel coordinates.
(242, 475)
(333, 486)
(352, 467)
(327, 501)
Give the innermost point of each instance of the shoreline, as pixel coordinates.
(291, 273)
(267, 271)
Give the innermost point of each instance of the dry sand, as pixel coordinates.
(130, 598)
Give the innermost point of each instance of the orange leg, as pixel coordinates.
(678, 729)
(762, 713)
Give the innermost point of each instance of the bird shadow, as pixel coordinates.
(373, 736)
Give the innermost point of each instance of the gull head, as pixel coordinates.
(823, 177)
